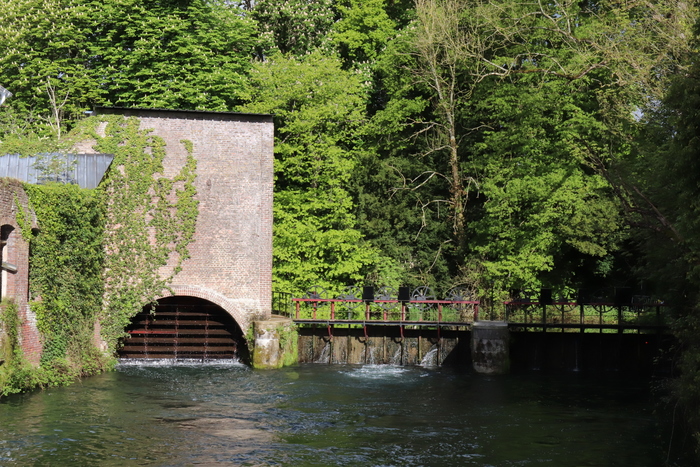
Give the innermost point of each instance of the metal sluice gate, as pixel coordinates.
(182, 329)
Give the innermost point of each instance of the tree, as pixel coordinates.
(662, 192)
(62, 57)
(45, 61)
(539, 205)
(532, 105)
(294, 26)
(179, 55)
(450, 48)
(318, 111)
(363, 30)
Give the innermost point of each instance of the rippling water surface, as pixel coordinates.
(317, 415)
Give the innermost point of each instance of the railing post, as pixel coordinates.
(544, 318)
(332, 309)
(619, 319)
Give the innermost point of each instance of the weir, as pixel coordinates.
(629, 353)
(593, 333)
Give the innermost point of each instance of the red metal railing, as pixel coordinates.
(427, 312)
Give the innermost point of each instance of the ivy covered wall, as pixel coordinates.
(96, 254)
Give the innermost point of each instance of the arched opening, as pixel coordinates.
(6, 245)
(184, 328)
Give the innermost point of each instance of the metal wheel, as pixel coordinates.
(317, 292)
(421, 294)
(460, 294)
(351, 293)
(386, 293)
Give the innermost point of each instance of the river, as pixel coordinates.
(323, 415)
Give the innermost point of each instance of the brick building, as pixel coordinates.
(229, 269)
(230, 260)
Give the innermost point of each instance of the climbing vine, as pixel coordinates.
(150, 218)
(15, 373)
(99, 255)
(66, 264)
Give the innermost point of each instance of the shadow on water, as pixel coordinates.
(314, 415)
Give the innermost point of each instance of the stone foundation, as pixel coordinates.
(490, 347)
(275, 343)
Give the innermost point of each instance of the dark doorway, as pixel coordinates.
(184, 328)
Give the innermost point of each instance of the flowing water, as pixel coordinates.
(323, 415)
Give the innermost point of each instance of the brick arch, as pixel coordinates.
(239, 310)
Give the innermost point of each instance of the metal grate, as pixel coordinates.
(183, 329)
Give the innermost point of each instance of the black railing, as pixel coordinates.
(282, 304)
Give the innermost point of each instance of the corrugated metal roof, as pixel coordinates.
(85, 170)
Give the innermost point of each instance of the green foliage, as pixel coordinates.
(15, 374)
(46, 58)
(62, 57)
(294, 26)
(66, 265)
(318, 110)
(175, 55)
(363, 31)
(289, 344)
(538, 198)
(9, 324)
(666, 172)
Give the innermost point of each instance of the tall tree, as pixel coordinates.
(61, 57)
(318, 110)
(45, 61)
(495, 71)
(450, 46)
(181, 55)
(662, 189)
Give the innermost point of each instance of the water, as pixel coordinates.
(321, 415)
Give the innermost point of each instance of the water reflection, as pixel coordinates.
(330, 415)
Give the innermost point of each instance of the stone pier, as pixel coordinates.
(275, 343)
(490, 347)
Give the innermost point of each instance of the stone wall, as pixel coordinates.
(231, 256)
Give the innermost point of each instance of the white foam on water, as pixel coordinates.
(177, 362)
(376, 371)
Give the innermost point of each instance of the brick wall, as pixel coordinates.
(231, 256)
(15, 285)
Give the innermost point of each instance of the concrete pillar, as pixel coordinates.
(490, 347)
(275, 343)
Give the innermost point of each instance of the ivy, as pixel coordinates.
(101, 254)
(150, 218)
(15, 374)
(66, 264)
